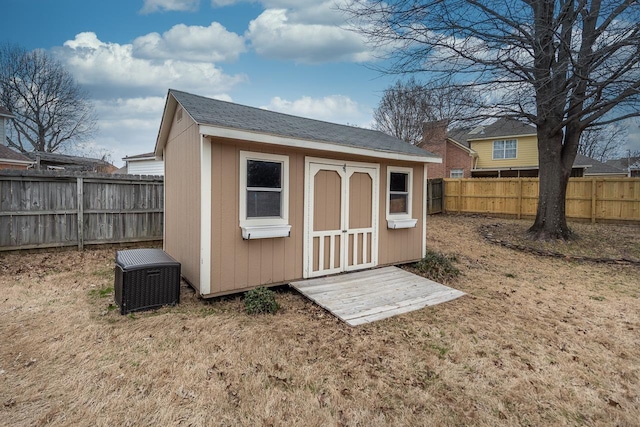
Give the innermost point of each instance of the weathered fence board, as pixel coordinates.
(51, 209)
(435, 199)
(593, 199)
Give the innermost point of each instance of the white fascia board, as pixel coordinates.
(264, 138)
(16, 162)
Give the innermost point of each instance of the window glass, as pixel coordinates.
(456, 173)
(263, 204)
(261, 174)
(398, 181)
(505, 149)
(398, 203)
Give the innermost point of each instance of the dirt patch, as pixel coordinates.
(591, 242)
(537, 341)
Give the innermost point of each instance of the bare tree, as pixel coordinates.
(406, 106)
(602, 143)
(51, 110)
(563, 65)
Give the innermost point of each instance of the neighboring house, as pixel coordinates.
(10, 159)
(55, 161)
(631, 165)
(5, 116)
(254, 197)
(634, 170)
(144, 164)
(504, 148)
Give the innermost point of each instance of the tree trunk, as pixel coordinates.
(554, 172)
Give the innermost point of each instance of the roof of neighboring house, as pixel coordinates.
(7, 153)
(623, 162)
(227, 115)
(635, 166)
(500, 128)
(5, 113)
(67, 160)
(145, 156)
(595, 167)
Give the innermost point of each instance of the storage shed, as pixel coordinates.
(254, 197)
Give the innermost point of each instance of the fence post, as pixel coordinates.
(593, 200)
(459, 204)
(519, 198)
(80, 214)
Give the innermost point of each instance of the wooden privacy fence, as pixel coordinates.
(50, 209)
(594, 199)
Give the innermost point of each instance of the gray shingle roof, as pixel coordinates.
(595, 167)
(207, 111)
(501, 127)
(4, 112)
(9, 154)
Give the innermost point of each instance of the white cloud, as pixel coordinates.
(112, 67)
(151, 6)
(333, 108)
(273, 35)
(191, 43)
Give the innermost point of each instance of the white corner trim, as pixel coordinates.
(401, 223)
(424, 212)
(205, 215)
(265, 231)
(264, 138)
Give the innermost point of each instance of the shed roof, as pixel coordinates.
(228, 115)
(144, 156)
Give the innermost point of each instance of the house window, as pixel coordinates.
(399, 197)
(264, 201)
(456, 173)
(507, 149)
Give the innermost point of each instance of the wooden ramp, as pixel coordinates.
(370, 295)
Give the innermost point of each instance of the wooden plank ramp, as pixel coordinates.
(366, 296)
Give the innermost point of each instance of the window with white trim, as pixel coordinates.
(456, 173)
(399, 197)
(505, 149)
(264, 195)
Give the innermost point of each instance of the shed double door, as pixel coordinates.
(341, 224)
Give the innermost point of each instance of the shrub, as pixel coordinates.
(260, 300)
(437, 266)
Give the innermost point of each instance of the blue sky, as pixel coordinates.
(293, 56)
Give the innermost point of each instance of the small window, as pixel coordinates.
(264, 201)
(264, 189)
(398, 193)
(456, 173)
(507, 149)
(399, 197)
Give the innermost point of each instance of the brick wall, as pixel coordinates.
(434, 139)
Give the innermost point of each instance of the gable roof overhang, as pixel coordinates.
(500, 137)
(469, 150)
(213, 130)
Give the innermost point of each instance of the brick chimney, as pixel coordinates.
(434, 139)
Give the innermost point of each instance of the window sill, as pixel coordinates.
(265, 231)
(401, 223)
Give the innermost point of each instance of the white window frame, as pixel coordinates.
(459, 173)
(400, 220)
(260, 228)
(504, 149)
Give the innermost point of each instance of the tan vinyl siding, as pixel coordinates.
(527, 153)
(238, 264)
(401, 245)
(182, 197)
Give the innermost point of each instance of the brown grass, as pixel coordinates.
(537, 341)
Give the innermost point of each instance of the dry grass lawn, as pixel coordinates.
(537, 341)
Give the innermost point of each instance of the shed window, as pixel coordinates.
(264, 201)
(399, 197)
(507, 149)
